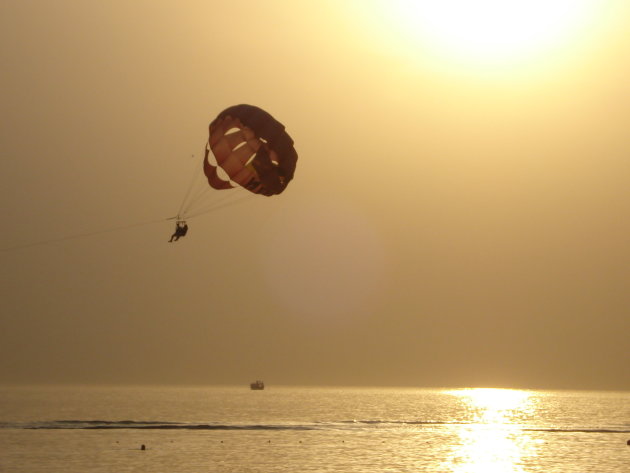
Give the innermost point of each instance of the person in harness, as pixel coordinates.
(181, 228)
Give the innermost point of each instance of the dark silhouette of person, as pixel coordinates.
(181, 228)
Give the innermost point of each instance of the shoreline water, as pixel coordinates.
(287, 429)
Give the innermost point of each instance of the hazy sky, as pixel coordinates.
(459, 214)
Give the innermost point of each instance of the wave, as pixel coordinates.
(595, 430)
(579, 430)
(144, 425)
(97, 424)
(403, 422)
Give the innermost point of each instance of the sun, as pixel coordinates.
(486, 31)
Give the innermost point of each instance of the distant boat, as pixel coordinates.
(257, 386)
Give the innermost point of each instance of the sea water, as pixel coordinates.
(287, 429)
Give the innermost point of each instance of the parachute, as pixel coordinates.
(252, 148)
(249, 151)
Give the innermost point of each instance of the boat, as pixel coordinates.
(258, 385)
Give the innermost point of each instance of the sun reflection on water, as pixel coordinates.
(491, 441)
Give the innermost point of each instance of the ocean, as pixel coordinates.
(82, 429)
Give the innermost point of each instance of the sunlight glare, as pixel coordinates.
(488, 31)
(492, 405)
(493, 443)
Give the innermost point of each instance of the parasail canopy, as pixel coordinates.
(252, 148)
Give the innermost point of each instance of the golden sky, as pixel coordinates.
(458, 217)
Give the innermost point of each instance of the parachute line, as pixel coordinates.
(196, 200)
(195, 177)
(82, 235)
(219, 205)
